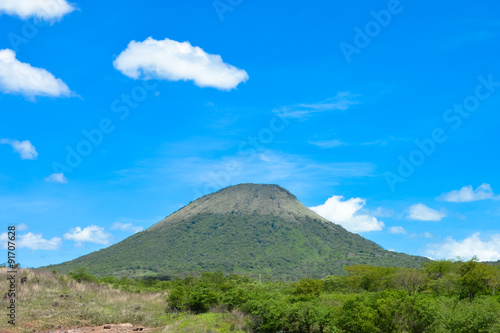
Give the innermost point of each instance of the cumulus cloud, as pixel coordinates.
(33, 241)
(57, 178)
(486, 250)
(397, 230)
(342, 101)
(21, 78)
(37, 242)
(47, 10)
(174, 61)
(467, 194)
(90, 234)
(23, 148)
(126, 227)
(347, 214)
(421, 212)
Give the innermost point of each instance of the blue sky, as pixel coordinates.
(380, 115)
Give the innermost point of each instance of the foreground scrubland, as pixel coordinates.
(442, 296)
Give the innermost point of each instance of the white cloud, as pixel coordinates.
(90, 234)
(174, 61)
(57, 178)
(423, 213)
(126, 227)
(48, 10)
(346, 213)
(342, 101)
(467, 194)
(32, 241)
(21, 78)
(485, 250)
(397, 230)
(37, 242)
(23, 148)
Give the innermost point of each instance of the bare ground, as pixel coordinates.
(111, 328)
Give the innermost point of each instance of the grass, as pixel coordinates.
(49, 301)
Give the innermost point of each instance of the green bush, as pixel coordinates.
(201, 297)
(309, 288)
(82, 275)
(356, 317)
(480, 316)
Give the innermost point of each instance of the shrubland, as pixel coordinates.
(441, 296)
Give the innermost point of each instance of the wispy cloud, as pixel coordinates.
(89, 234)
(23, 148)
(486, 250)
(48, 10)
(126, 227)
(397, 230)
(267, 166)
(424, 234)
(21, 78)
(174, 61)
(342, 101)
(421, 212)
(270, 167)
(347, 214)
(382, 212)
(468, 194)
(22, 227)
(328, 143)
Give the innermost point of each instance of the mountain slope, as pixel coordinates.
(247, 228)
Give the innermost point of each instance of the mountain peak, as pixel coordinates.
(245, 199)
(246, 229)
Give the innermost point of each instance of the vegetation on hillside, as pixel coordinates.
(235, 244)
(244, 229)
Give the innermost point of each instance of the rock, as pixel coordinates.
(107, 327)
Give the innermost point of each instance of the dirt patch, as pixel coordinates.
(111, 328)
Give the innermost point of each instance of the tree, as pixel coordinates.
(369, 278)
(439, 268)
(308, 287)
(473, 278)
(410, 279)
(493, 278)
(357, 317)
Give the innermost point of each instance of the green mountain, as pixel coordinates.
(247, 228)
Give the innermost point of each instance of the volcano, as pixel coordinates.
(243, 229)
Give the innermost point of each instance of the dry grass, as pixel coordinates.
(49, 301)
